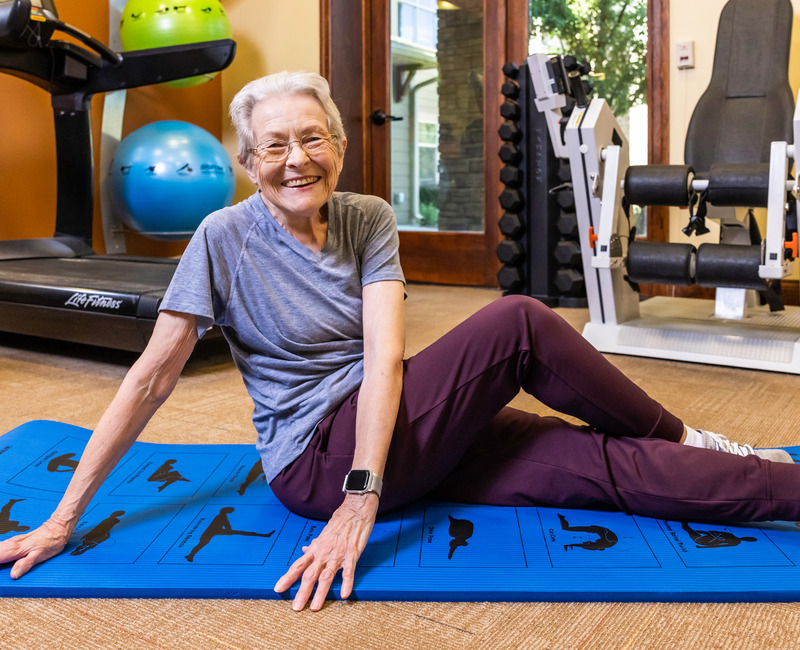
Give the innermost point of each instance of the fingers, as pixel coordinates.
(321, 572)
(338, 546)
(10, 552)
(16, 548)
(25, 564)
(318, 567)
(314, 572)
(294, 572)
(306, 586)
(28, 550)
(323, 582)
(39, 555)
(348, 577)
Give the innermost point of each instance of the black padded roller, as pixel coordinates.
(658, 185)
(661, 263)
(739, 185)
(725, 265)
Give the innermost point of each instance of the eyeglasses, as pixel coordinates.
(279, 150)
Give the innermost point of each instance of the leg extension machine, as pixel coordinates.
(731, 331)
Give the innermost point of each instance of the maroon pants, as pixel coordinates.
(455, 438)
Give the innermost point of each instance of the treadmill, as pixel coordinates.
(58, 287)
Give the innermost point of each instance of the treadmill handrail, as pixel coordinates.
(64, 68)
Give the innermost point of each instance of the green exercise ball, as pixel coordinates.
(147, 24)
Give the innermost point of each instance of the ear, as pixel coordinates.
(252, 175)
(341, 158)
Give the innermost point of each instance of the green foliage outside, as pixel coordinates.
(428, 206)
(610, 34)
(428, 215)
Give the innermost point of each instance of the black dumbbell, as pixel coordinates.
(511, 225)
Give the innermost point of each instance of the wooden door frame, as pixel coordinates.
(658, 106)
(351, 64)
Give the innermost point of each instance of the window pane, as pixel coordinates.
(427, 133)
(437, 152)
(426, 29)
(427, 164)
(405, 18)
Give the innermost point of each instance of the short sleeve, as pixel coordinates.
(201, 283)
(380, 257)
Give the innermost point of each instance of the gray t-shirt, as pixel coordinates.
(292, 317)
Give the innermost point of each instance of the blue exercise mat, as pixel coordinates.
(199, 521)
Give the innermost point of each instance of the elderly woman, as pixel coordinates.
(306, 286)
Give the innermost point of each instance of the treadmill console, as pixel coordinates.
(26, 23)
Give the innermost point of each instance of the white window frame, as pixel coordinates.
(395, 16)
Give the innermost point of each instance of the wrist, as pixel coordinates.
(66, 518)
(365, 504)
(65, 527)
(367, 497)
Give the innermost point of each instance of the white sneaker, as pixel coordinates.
(718, 442)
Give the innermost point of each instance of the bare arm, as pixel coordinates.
(146, 386)
(343, 539)
(379, 397)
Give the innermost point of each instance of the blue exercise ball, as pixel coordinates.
(167, 176)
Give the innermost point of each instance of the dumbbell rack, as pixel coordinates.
(541, 254)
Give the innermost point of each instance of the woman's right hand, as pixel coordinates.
(34, 547)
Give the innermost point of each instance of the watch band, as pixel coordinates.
(361, 481)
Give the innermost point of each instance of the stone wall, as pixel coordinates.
(460, 58)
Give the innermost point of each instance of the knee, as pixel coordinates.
(530, 309)
(513, 322)
(530, 319)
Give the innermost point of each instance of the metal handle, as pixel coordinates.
(379, 117)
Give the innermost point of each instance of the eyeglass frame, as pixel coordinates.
(329, 138)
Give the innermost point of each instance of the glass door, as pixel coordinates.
(437, 143)
(418, 83)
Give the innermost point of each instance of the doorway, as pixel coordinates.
(437, 66)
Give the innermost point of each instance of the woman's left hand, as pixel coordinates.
(338, 546)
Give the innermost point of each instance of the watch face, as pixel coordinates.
(357, 479)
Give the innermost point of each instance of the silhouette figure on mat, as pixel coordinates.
(715, 538)
(460, 530)
(167, 474)
(221, 526)
(605, 538)
(256, 471)
(98, 534)
(64, 460)
(6, 524)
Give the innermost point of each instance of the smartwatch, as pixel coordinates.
(361, 481)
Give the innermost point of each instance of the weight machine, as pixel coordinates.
(732, 330)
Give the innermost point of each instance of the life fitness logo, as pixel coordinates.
(93, 301)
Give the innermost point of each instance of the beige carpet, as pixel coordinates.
(48, 380)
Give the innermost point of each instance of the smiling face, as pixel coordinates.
(298, 186)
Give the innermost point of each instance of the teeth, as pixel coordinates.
(299, 182)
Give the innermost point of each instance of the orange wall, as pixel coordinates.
(27, 141)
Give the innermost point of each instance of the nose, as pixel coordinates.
(297, 155)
